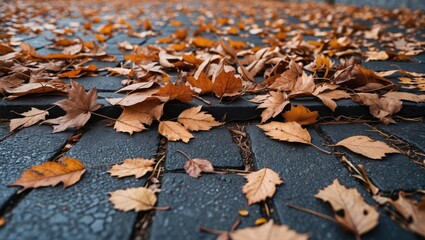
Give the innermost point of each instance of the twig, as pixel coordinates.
(210, 230)
(184, 154)
(320, 149)
(312, 212)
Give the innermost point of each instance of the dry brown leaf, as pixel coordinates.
(358, 217)
(39, 87)
(380, 107)
(203, 42)
(367, 147)
(137, 199)
(174, 92)
(195, 120)
(174, 131)
(226, 84)
(268, 231)
(287, 80)
(136, 166)
(327, 98)
(287, 131)
(67, 170)
(406, 96)
(301, 115)
(78, 108)
(9, 82)
(79, 72)
(273, 104)
(194, 167)
(373, 56)
(30, 118)
(261, 184)
(203, 83)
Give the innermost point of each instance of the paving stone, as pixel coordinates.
(101, 83)
(28, 147)
(211, 201)
(391, 65)
(41, 39)
(215, 145)
(411, 132)
(394, 172)
(4, 130)
(121, 37)
(305, 170)
(83, 211)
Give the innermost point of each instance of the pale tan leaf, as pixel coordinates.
(195, 120)
(174, 131)
(194, 167)
(327, 98)
(406, 96)
(367, 147)
(261, 184)
(274, 105)
(268, 231)
(358, 216)
(136, 166)
(68, 171)
(137, 199)
(288, 131)
(30, 118)
(373, 56)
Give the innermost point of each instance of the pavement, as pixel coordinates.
(83, 211)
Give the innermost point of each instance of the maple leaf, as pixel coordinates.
(303, 86)
(273, 104)
(226, 84)
(136, 166)
(261, 184)
(171, 92)
(287, 131)
(174, 131)
(78, 108)
(67, 170)
(327, 98)
(137, 199)
(301, 115)
(268, 231)
(405, 96)
(203, 83)
(194, 167)
(133, 118)
(358, 217)
(195, 120)
(30, 118)
(381, 108)
(287, 80)
(9, 82)
(367, 147)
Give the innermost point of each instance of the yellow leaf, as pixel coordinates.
(195, 120)
(261, 184)
(367, 147)
(301, 115)
(68, 171)
(136, 166)
(288, 131)
(174, 131)
(137, 199)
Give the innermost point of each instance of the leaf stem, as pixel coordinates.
(320, 149)
(210, 230)
(312, 212)
(162, 208)
(184, 154)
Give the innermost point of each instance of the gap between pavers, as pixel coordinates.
(305, 170)
(411, 132)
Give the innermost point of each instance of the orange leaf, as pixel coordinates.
(175, 92)
(174, 131)
(68, 171)
(301, 115)
(203, 42)
(203, 82)
(226, 84)
(261, 184)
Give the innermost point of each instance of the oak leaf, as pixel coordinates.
(301, 115)
(194, 167)
(195, 120)
(261, 184)
(287, 131)
(367, 147)
(268, 231)
(136, 166)
(273, 104)
(78, 108)
(174, 131)
(358, 217)
(203, 83)
(67, 170)
(137, 199)
(175, 92)
(30, 118)
(226, 84)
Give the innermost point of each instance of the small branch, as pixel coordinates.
(184, 154)
(166, 208)
(312, 212)
(320, 149)
(210, 230)
(202, 99)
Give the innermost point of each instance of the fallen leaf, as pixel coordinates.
(226, 84)
(261, 184)
(287, 80)
(174, 131)
(273, 104)
(67, 170)
(30, 118)
(380, 107)
(357, 217)
(203, 83)
(406, 96)
(203, 42)
(373, 56)
(78, 108)
(287, 131)
(175, 92)
(39, 87)
(194, 167)
(136, 166)
(137, 199)
(301, 115)
(328, 98)
(195, 120)
(367, 147)
(268, 231)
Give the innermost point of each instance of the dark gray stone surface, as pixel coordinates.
(393, 172)
(215, 145)
(4, 130)
(411, 132)
(211, 201)
(392, 65)
(305, 170)
(103, 83)
(28, 147)
(41, 39)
